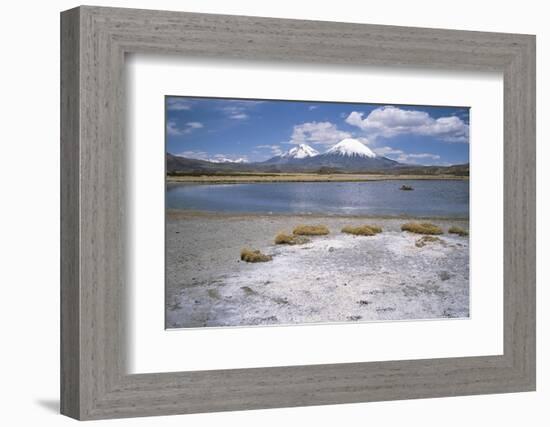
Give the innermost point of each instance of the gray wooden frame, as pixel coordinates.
(94, 382)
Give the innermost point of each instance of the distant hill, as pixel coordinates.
(457, 170)
(348, 156)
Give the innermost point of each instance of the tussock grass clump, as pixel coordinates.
(214, 294)
(251, 255)
(421, 228)
(458, 230)
(362, 230)
(424, 240)
(290, 239)
(248, 291)
(311, 230)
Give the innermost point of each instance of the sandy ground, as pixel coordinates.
(335, 278)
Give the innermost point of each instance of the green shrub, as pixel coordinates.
(421, 228)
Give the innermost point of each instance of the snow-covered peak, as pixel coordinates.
(300, 152)
(351, 147)
(226, 160)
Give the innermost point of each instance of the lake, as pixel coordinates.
(430, 198)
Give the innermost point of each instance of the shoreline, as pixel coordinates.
(297, 177)
(181, 214)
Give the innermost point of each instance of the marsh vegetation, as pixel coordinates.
(458, 230)
(311, 230)
(362, 230)
(290, 239)
(254, 255)
(422, 228)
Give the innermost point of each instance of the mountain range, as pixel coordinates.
(347, 156)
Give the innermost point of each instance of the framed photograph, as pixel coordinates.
(295, 198)
(345, 211)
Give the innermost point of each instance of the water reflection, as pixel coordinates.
(429, 198)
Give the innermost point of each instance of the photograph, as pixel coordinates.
(292, 212)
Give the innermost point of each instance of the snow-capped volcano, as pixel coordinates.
(349, 155)
(352, 148)
(300, 152)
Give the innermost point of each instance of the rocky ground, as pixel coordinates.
(334, 278)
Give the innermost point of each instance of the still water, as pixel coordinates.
(430, 198)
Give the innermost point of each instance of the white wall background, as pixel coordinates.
(29, 212)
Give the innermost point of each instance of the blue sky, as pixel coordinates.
(255, 130)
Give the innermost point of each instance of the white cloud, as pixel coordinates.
(239, 116)
(323, 133)
(177, 105)
(402, 157)
(194, 125)
(312, 107)
(275, 149)
(424, 156)
(383, 151)
(390, 121)
(201, 155)
(174, 130)
(237, 110)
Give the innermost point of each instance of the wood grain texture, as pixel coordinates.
(70, 291)
(95, 383)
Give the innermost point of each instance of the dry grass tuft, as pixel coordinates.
(251, 255)
(424, 240)
(421, 228)
(311, 230)
(458, 230)
(248, 291)
(290, 239)
(214, 294)
(362, 230)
